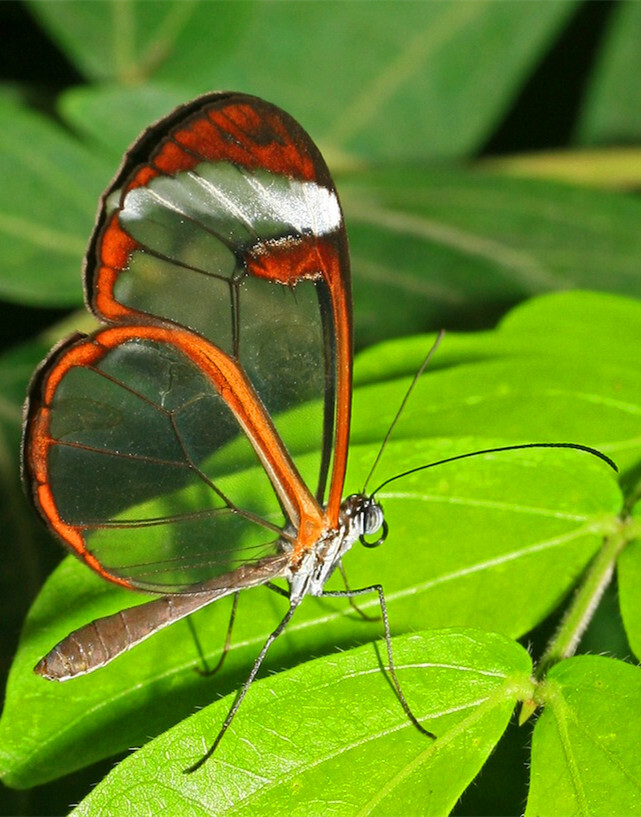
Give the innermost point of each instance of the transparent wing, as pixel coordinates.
(224, 219)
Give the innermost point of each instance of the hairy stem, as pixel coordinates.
(586, 599)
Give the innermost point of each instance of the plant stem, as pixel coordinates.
(583, 606)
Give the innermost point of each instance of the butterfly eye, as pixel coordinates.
(378, 541)
(373, 521)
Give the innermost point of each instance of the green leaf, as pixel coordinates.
(566, 323)
(560, 325)
(585, 751)
(50, 185)
(542, 354)
(610, 113)
(458, 245)
(442, 73)
(629, 581)
(313, 726)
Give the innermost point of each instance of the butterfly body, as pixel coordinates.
(359, 516)
(101, 641)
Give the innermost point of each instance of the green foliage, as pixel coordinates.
(481, 551)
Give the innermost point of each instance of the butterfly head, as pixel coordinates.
(365, 516)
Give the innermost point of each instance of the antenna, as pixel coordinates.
(420, 371)
(577, 446)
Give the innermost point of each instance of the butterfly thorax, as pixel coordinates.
(359, 516)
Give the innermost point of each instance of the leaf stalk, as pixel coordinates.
(586, 599)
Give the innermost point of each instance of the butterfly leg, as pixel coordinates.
(276, 589)
(240, 696)
(204, 670)
(377, 588)
(350, 598)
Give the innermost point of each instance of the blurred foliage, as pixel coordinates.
(485, 152)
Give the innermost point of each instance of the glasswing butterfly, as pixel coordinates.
(220, 269)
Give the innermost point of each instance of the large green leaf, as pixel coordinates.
(441, 74)
(517, 398)
(578, 325)
(560, 324)
(560, 327)
(320, 726)
(585, 751)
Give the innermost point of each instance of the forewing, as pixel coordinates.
(224, 219)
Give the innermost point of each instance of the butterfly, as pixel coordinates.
(161, 448)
